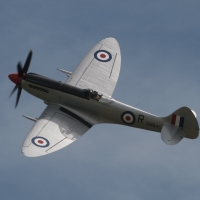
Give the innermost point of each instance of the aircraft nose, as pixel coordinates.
(15, 78)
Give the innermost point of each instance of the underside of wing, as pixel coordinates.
(56, 128)
(99, 70)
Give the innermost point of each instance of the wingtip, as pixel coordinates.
(29, 152)
(111, 39)
(111, 43)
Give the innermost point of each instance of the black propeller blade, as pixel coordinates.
(18, 93)
(21, 72)
(27, 63)
(18, 96)
(19, 69)
(14, 89)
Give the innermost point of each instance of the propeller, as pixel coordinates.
(17, 77)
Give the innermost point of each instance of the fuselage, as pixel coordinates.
(85, 104)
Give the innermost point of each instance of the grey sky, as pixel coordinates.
(160, 46)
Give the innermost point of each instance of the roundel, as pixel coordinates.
(128, 117)
(40, 142)
(103, 56)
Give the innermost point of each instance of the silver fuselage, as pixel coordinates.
(105, 110)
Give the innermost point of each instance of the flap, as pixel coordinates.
(99, 70)
(55, 129)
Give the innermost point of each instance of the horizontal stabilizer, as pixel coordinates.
(172, 134)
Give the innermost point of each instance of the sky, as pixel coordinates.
(160, 48)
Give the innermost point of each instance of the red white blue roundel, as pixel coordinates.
(128, 117)
(103, 55)
(40, 141)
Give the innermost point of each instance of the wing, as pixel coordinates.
(99, 70)
(55, 129)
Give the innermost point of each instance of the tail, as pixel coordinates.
(181, 123)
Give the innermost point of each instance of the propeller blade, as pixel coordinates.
(14, 89)
(17, 78)
(18, 96)
(19, 69)
(27, 63)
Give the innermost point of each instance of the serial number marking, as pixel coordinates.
(153, 125)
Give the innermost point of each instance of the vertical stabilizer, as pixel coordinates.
(181, 123)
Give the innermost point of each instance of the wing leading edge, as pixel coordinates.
(55, 129)
(100, 68)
